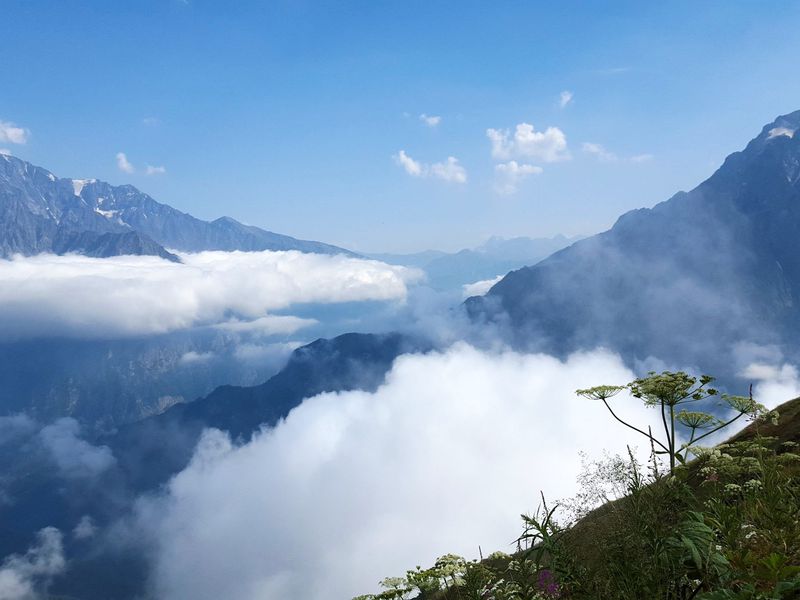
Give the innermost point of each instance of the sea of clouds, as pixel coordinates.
(79, 296)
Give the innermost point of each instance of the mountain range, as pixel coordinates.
(709, 278)
(497, 256)
(40, 212)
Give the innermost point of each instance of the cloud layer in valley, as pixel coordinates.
(78, 296)
(442, 458)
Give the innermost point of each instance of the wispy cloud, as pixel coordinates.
(603, 154)
(13, 134)
(612, 70)
(450, 170)
(151, 170)
(151, 121)
(549, 145)
(599, 151)
(430, 120)
(479, 288)
(411, 166)
(511, 173)
(25, 576)
(123, 164)
(565, 98)
(780, 131)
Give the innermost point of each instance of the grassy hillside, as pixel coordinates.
(724, 526)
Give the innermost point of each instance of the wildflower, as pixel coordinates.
(752, 485)
(546, 582)
(732, 488)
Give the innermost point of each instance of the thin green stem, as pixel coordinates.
(613, 414)
(723, 425)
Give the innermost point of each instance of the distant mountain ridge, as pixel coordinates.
(689, 281)
(496, 256)
(40, 212)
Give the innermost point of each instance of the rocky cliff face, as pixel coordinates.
(687, 281)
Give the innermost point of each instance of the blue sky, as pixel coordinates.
(292, 115)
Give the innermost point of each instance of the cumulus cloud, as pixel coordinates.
(123, 164)
(25, 577)
(430, 120)
(74, 456)
(549, 145)
(13, 134)
(565, 98)
(350, 479)
(79, 296)
(449, 170)
(511, 173)
(151, 170)
(774, 383)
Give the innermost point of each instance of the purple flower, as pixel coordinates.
(548, 585)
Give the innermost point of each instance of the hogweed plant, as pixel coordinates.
(724, 527)
(673, 394)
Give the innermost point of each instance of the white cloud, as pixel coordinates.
(151, 170)
(780, 131)
(367, 472)
(430, 120)
(13, 134)
(74, 456)
(151, 121)
(449, 170)
(601, 153)
(269, 325)
(479, 288)
(549, 145)
(774, 383)
(411, 166)
(510, 175)
(24, 577)
(123, 164)
(565, 98)
(79, 296)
